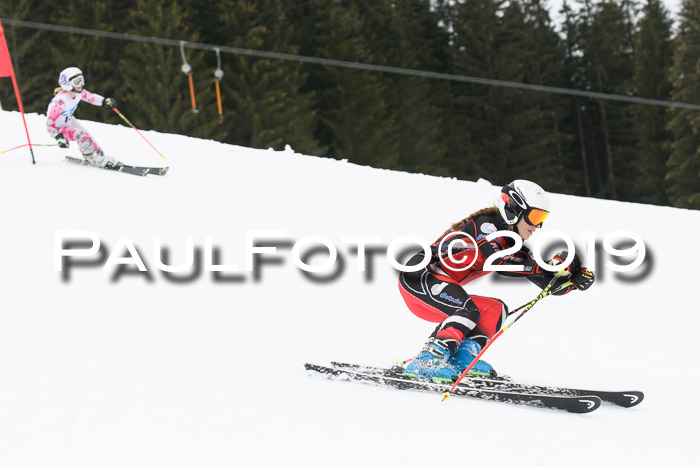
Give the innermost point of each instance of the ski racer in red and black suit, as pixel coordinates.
(459, 256)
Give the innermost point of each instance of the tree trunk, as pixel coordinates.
(582, 145)
(557, 142)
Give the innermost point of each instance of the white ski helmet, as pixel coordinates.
(71, 78)
(521, 198)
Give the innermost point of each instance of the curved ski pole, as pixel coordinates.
(523, 309)
(27, 144)
(137, 131)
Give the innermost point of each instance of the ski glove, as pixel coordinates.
(109, 102)
(583, 279)
(62, 141)
(561, 257)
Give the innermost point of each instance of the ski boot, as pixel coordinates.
(99, 159)
(466, 352)
(431, 362)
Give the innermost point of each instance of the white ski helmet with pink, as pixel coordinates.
(70, 78)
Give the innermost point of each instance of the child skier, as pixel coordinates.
(468, 322)
(61, 124)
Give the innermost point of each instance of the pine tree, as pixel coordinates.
(269, 108)
(573, 27)
(478, 144)
(683, 176)
(155, 93)
(550, 69)
(406, 35)
(507, 133)
(355, 118)
(531, 52)
(608, 48)
(35, 79)
(652, 80)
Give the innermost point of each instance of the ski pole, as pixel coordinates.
(12, 149)
(26, 144)
(137, 131)
(523, 309)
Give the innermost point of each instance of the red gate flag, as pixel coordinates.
(5, 62)
(7, 70)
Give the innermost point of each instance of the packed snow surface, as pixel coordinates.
(105, 365)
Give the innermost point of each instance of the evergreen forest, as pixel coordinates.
(568, 144)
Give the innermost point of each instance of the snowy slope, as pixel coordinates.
(142, 370)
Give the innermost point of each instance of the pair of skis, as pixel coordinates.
(119, 167)
(488, 388)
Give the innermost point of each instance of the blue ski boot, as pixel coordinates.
(431, 362)
(463, 357)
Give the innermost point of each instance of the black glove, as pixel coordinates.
(561, 257)
(583, 279)
(62, 141)
(109, 102)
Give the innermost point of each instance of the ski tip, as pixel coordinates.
(587, 404)
(632, 398)
(158, 170)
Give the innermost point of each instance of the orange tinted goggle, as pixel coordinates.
(535, 216)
